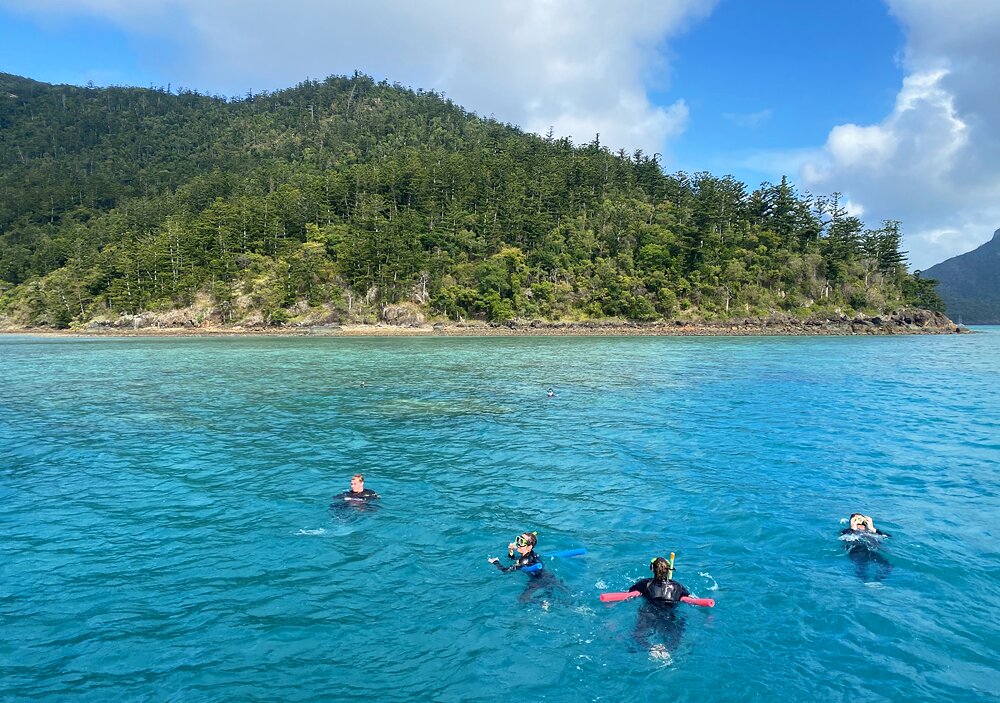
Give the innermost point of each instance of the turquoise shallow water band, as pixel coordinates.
(167, 533)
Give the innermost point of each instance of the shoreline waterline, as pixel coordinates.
(847, 328)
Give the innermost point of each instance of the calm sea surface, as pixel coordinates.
(165, 531)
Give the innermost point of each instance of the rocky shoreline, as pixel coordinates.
(907, 321)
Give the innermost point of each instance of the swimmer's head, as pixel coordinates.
(357, 482)
(660, 568)
(526, 539)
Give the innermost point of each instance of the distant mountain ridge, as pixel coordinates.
(969, 284)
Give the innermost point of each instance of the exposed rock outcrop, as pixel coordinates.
(404, 315)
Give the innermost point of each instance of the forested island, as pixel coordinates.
(348, 201)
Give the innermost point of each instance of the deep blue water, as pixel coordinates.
(166, 532)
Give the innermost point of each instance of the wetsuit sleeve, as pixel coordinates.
(684, 591)
(884, 534)
(518, 563)
(640, 586)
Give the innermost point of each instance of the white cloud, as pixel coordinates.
(934, 161)
(850, 145)
(577, 66)
(854, 209)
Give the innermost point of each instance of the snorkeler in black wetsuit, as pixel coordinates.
(658, 614)
(663, 591)
(358, 496)
(526, 555)
(524, 544)
(862, 542)
(522, 551)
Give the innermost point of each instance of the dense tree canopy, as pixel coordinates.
(346, 195)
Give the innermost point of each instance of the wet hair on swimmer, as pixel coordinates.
(360, 477)
(660, 568)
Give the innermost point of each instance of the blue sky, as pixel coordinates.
(886, 101)
(768, 75)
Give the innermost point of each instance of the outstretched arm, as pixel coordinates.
(496, 562)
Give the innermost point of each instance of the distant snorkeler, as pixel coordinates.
(357, 497)
(522, 552)
(658, 613)
(524, 545)
(550, 393)
(863, 541)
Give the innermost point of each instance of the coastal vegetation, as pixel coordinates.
(351, 200)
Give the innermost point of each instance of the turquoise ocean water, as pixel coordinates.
(166, 534)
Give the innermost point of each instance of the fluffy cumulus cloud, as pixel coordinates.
(581, 67)
(934, 162)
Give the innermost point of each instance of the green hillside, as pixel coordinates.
(339, 199)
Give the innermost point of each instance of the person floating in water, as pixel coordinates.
(525, 558)
(661, 587)
(658, 613)
(550, 393)
(860, 524)
(524, 545)
(357, 496)
(862, 541)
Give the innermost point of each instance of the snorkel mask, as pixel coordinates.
(523, 541)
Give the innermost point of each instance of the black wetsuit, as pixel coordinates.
(660, 591)
(352, 499)
(540, 578)
(869, 564)
(878, 533)
(529, 559)
(657, 614)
